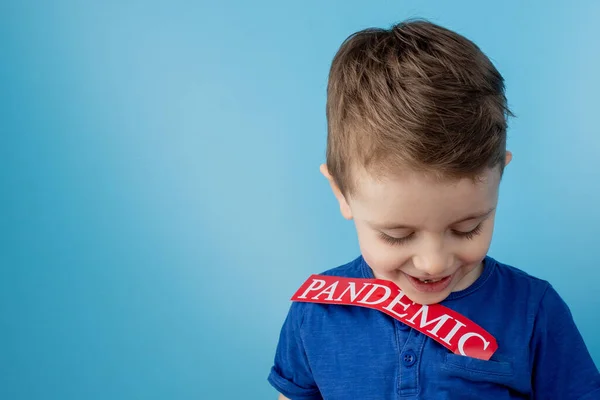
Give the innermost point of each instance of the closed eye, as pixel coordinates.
(395, 241)
(468, 235)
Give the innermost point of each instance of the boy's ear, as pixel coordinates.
(344, 206)
(509, 157)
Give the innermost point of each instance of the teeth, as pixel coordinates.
(429, 280)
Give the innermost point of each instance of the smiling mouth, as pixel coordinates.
(430, 285)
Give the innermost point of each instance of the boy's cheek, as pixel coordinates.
(475, 251)
(380, 256)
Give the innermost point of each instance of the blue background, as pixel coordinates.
(160, 193)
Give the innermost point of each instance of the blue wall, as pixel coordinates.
(160, 194)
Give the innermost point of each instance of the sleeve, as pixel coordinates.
(562, 365)
(291, 374)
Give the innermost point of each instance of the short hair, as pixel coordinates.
(416, 96)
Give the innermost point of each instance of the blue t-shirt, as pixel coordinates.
(338, 352)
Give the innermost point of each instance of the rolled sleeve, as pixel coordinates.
(291, 374)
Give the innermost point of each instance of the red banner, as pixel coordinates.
(449, 328)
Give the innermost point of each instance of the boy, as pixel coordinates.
(415, 153)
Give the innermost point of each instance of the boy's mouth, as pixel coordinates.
(430, 285)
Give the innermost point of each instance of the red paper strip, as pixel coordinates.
(447, 327)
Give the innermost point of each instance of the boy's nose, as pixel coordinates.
(433, 264)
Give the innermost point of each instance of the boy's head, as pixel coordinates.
(415, 150)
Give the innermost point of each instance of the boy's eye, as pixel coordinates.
(470, 234)
(393, 240)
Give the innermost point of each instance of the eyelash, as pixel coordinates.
(398, 241)
(471, 234)
(393, 240)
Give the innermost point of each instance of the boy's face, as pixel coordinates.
(428, 237)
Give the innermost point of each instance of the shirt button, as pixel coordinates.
(409, 358)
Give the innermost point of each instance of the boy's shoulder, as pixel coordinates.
(517, 277)
(353, 269)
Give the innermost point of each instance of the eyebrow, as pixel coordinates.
(468, 218)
